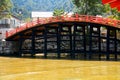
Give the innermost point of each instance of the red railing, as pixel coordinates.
(78, 18)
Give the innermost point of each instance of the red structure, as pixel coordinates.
(113, 3)
(76, 18)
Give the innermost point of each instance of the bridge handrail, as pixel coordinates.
(80, 18)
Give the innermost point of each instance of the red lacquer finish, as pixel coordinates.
(78, 18)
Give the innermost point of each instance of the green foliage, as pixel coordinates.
(85, 7)
(58, 12)
(111, 13)
(88, 7)
(5, 6)
(21, 12)
(26, 6)
(95, 7)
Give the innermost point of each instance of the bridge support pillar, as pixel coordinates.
(90, 43)
(33, 43)
(99, 42)
(115, 42)
(58, 41)
(45, 42)
(84, 42)
(108, 44)
(74, 40)
(20, 46)
(72, 53)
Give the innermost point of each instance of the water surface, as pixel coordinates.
(53, 69)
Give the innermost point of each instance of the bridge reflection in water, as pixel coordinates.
(73, 37)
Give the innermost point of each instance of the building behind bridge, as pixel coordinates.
(7, 24)
(38, 14)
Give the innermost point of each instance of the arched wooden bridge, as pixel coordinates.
(79, 34)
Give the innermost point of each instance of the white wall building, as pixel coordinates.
(42, 14)
(7, 24)
(38, 14)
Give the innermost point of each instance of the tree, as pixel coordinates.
(88, 7)
(95, 7)
(5, 6)
(58, 12)
(20, 12)
(111, 12)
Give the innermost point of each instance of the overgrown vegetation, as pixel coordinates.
(58, 12)
(26, 6)
(95, 7)
(22, 8)
(5, 6)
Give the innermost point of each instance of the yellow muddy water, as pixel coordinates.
(53, 69)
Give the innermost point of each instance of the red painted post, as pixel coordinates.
(118, 24)
(99, 19)
(38, 20)
(16, 30)
(115, 23)
(87, 18)
(26, 26)
(6, 34)
(76, 16)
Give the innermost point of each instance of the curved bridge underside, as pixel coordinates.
(86, 35)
